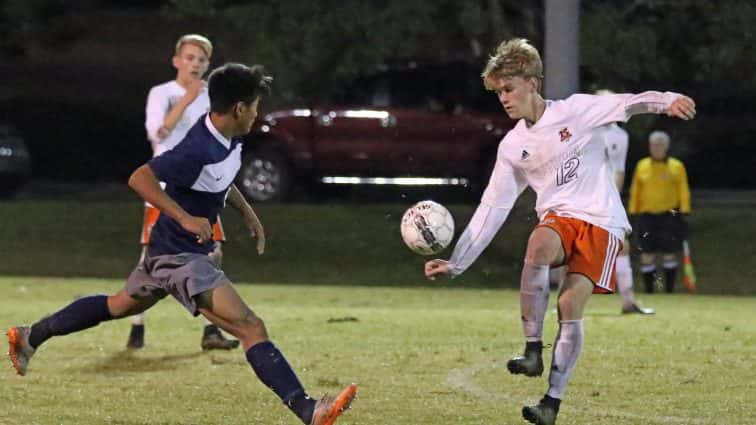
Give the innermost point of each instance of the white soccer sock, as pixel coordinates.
(647, 268)
(534, 299)
(625, 280)
(569, 343)
(137, 319)
(670, 264)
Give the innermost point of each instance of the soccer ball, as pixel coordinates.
(427, 227)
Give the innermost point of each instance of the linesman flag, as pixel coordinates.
(689, 279)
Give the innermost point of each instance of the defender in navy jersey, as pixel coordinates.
(199, 175)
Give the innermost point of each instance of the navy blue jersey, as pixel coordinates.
(197, 174)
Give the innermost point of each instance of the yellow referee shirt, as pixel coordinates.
(659, 186)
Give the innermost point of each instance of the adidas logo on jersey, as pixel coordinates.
(525, 155)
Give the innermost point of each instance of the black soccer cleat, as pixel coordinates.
(136, 337)
(213, 339)
(543, 413)
(530, 363)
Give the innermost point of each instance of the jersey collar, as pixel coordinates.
(219, 137)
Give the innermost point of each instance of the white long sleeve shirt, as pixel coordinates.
(562, 157)
(160, 100)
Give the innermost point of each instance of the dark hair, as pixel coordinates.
(235, 82)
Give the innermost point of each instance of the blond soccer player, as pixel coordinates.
(172, 109)
(556, 149)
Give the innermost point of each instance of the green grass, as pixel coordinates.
(344, 244)
(420, 356)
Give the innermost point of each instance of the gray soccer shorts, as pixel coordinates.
(183, 276)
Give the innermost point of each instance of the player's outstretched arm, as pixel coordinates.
(145, 183)
(236, 199)
(683, 107)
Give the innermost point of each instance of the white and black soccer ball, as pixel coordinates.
(427, 227)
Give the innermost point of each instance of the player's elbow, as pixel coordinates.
(133, 179)
(137, 176)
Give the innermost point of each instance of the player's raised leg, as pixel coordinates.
(223, 306)
(544, 249)
(82, 313)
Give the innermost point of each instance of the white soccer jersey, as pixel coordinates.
(563, 158)
(615, 141)
(160, 100)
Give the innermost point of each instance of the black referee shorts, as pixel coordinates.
(661, 232)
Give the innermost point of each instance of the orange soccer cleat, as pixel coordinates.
(329, 408)
(19, 350)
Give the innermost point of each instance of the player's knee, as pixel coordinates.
(568, 309)
(542, 252)
(120, 305)
(253, 326)
(544, 247)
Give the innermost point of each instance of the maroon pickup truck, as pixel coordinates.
(413, 137)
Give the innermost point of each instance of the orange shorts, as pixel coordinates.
(151, 215)
(588, 249)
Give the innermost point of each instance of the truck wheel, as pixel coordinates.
(265, 176)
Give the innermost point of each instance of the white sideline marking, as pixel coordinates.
(460, 379)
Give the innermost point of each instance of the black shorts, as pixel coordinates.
(661, 232)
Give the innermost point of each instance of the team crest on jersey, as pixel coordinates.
(564, 135)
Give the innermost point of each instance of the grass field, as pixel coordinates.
(420, 356)
(339, 243)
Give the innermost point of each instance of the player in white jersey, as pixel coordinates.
(615, 145)
(172, 109)
(615, 142)
(557, 149)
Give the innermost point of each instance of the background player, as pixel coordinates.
(556, 148)
(616, 141)
(172, 109)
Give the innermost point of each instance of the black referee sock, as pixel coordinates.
(649, 279)
(81, 314)
(275, 372)
(670, 275)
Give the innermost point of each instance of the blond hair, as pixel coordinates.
(197, 40)
(513, 58)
